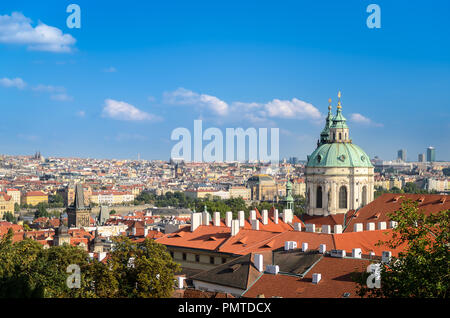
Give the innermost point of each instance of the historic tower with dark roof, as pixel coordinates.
(78, 214)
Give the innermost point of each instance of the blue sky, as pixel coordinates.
(120, 85)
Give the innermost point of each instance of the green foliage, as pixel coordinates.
(446, 171)
(56, 201)
(28, 270)
(422, 269)
(9, 217)
(16, 207)
(41, 211)
(409, 187)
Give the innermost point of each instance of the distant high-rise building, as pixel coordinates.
(401, 154)
(421, 157)
(431, 154)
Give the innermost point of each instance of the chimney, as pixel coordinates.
(234, 227)
(255, 225)
(337, 229)
(228, 218)
(133, 230)
(393, 224)
(206, 218)
(265, 217)
(290, 245)
(370, 226)
(358, 227)
(196, 221)
(180, 281)
(101, 256)
(382, 225)
(322, 248)
(371, 254)
(258, 262)
(310, 228)
(356, 253)
(326, 229)
(273, 269)
(298, 227)
(287, 216)
(275, 216)
(241, 218)
(216, 218)
(338, 253)
(252, 215)
(145, 231)
(316, 277)
(386, 256)
(305, 247)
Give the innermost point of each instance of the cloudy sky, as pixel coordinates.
(118, 86)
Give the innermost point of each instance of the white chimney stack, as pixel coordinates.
(180, 281)
(305, 247)
(134, 231)
(196, 221)
(273, 269)
(310, 228)
(275, 216)
(234, 227)
(326, 229)
(206, 218)
(382, 225)
(252, 215)
(265, 217)
(356, 253)
(228, 218)
(386, 256)
(287, 216)
(298, 227)
(145, 231)
(316, 277)
(255, 225)
(393, 224)
(258, 262)
(358, 227)
(322, 248)
(370, 226)
(290, 245)
(337, 229)
(241, 218)
(216, 218)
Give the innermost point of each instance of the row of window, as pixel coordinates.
(197, 258)
(343, 204)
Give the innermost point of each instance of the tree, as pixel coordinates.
(142, 269)
(9, 217)
(422, 269)
(446, 171)
(16, 207)
(41, 211)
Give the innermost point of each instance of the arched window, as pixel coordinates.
(319, 197)
(364, 195)
(340, 136)
(343, 197)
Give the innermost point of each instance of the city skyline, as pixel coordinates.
(122, 83)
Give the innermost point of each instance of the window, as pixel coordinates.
(197, 258)
(340, 136)
(224, 260)
(211, 260)
(364, 195)
(171, 254)
(319, 197)
(343, 198)
(184, 256)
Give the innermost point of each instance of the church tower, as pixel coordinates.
(78, 214)
(339, 174)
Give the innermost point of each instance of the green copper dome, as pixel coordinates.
(339, 154)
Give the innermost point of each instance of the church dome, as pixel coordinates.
(345, 155)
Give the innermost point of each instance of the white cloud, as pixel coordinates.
(123, 111)
(81, 113)
(183, 96)
(15, 82)
(360, 119)
(61, 97)
(48, 88)
(17, 29)
(248, 111)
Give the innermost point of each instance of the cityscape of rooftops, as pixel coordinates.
(249, 150)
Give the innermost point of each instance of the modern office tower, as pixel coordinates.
(431, 154)
(421, 157)
(401, 154)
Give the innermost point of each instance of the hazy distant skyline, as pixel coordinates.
(118, 86)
